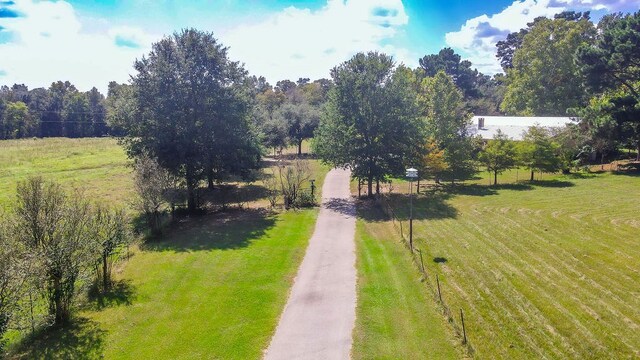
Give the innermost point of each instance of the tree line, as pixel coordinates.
(58, 111)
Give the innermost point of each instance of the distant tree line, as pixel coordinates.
(59, 111)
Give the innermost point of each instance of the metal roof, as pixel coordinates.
(514, 126)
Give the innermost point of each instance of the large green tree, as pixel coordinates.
(506, 48)
(545, 80)
(612, 68)
(448, 123)
(614, 59)
(370, 123)
(301, 120)
(193, 108)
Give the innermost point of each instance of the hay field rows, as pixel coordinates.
(545, 270)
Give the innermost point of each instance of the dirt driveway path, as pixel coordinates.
(320, 313)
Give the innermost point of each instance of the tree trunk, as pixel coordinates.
(191, 197)
(106, 281)
(210, 179)
(377, 187)
(495, 178)
(370, 186)
(531, 175)
(638, 151)
(299, 147)
(418, 187)
(58, 306)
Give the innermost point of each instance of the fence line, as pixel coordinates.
(459, 329)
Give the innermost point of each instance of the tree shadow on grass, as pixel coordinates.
(225, 230)
(484, 190)
(553, 183)
(121, 293)
(233, 194)
(580, 175)
(82, 338)
(627, 173)
(425, 207)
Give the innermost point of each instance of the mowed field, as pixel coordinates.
(396, 316)
(544, 270)
(213, 287)
(99, 166)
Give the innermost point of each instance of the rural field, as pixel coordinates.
(396, 316)
(214, 286)
(542, 270)
(97, 165)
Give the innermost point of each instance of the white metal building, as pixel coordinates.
(513, 126)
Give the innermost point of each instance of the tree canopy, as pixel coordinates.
(545, 80)
(447, 122)
(193, 110)
(370, 122)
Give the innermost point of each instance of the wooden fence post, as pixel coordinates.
(464, 331)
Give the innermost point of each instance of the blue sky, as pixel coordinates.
(91, 42)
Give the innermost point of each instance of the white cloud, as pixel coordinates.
(477, 38)
(48, 44)
(303, 43)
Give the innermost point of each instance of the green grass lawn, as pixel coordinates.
(213, 287)
(396, 315)
(543, 270)
(97, 165)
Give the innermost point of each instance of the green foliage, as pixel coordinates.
(194, 110)
(370, 122)
(300, 120)
(16, 121)
(433, 161)
(13, 271)
(460, 71)
(573, 146)
(499, 155)
(545, 80)
(614, 59)
(538, 152)
(111, 236)
(55, 228)
(76, 116)
(447, 123)
(612, 67)
(120, 108)
(506, 48)
(60, 110)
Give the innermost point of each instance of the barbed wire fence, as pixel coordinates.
(431, 281)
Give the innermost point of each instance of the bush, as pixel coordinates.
(292, 178)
